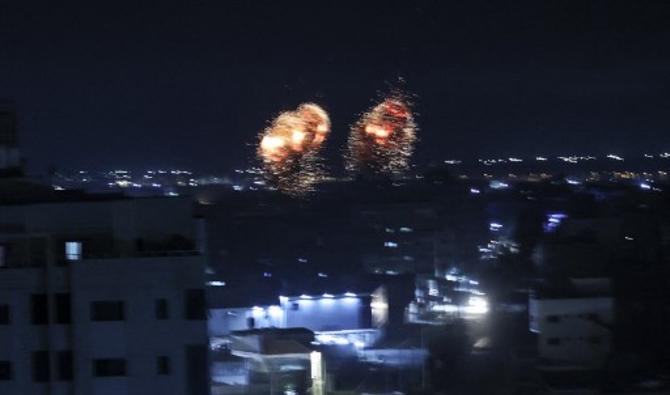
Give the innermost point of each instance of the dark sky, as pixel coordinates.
(149, 84)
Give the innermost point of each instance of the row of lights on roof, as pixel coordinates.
(327, 296)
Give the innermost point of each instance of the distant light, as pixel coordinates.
(452, 162)
(216, 283)
(237, 187)
(494, 226)
(615, 157)
(628, 238)
(324, 275)
(267, 274)
(475, 191)
(350, 294)
(390, 244)
(645, 186)
(477, 305)
(257, 308)
(512, 159)
(327, 295)
(495, 184)
(553, 221)
(303, 296)
(572, 181)
(405, 229)
(540, 158)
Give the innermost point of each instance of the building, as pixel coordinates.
(101, 295)
(573, 323)
(277, 360)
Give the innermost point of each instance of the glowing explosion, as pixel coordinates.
(289, 148)
(382, 141)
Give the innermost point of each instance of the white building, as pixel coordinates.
(101, 297)
(573, 324)
(353, 319)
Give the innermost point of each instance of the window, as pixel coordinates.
(553, 318)
(107, 311)
(41, 371)
(295, 306)
(63, 309)
(4, 314)
(109, 367)
(197, 380)
(163, 365)
(73, 250)
(553, 341)
(194, 304)
(39, 309)
(65, 370)
(162, 309)
(3, 256)
(5, 370)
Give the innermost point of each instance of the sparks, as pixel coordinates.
(289, 148)
(382, 141)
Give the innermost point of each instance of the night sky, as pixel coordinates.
(148, 84)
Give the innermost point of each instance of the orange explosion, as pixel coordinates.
(382, 141)
(288, 148)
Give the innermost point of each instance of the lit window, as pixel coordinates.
(73, 250)
(390, 244)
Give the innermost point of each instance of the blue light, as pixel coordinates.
(495, 226)
(498, 184)
(553, 222)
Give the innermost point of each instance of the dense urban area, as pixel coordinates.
(540, 275)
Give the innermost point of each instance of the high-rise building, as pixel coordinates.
(101, 296)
